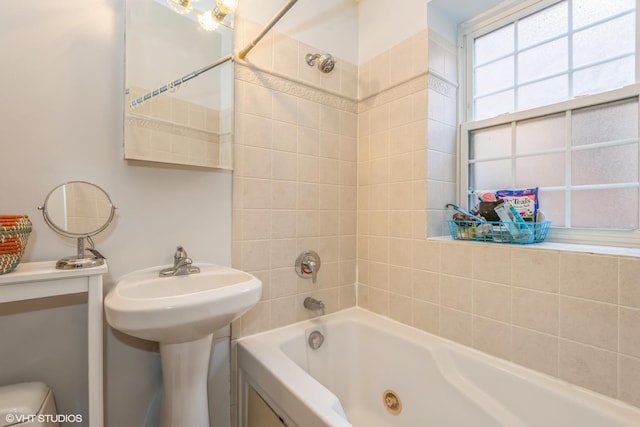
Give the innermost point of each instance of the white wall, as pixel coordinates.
(383, 24)
(61, 119)
(329, 25)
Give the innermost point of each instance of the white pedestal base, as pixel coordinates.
(184, 373)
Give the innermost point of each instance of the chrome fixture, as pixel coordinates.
(307, 264)
(315, 340)
(181, 265)
(325, 62)
(314, 304)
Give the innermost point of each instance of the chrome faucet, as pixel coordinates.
(314, 304)
(181, 265)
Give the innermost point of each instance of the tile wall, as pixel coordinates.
(295, 178)
(569, 314)
(171, 130)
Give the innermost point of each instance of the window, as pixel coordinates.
(552, 102)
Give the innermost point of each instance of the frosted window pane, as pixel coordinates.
(606, 165)
(540, 171)
(494, 105)
(604, 123)
(586, 12)
(607, 40)
(543, 61)
(494, 45)
(540, 134)
(601, 208)
(543, 93)
(490, 175)
(607, 76)
(544, 25)
(489, 143)
(494, 77)
(552, 203)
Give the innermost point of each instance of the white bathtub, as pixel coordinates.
(439, 383)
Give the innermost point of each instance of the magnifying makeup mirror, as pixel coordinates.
(78, 209)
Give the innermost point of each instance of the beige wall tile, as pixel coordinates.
(535, 269)
(256, 224)
(455, 259)
(535, 310)
(400, 281)
(491, 263)
(426, 286)
(588, 367)
(491, 300)
(308, 141)
(456, 292)
(378, 275)
(426, 316)
(283, 311)
(285, 108)
(282, 195)
(589, 322)
(307, 196)
(492, 337)
(629, 378)
(535, 350)
(589, 276)
(379, 301)
(285, 137)
(400, 308)
(456, 325)
(283, 282)
(630, 331)
(629, 279)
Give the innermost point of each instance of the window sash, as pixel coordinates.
(506, 15)
(627, 238)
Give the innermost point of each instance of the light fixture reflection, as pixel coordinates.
(181, 7)
(210, 20)
(207, 21)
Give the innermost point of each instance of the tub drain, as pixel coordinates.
(391, 402)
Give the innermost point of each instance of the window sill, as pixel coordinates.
(554, 246)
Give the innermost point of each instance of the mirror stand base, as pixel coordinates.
(75, 263)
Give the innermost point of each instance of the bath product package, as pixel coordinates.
(525, 201)
(514, 222)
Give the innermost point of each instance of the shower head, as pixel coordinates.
(325, 61)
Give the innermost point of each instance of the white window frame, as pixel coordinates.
(491, 21)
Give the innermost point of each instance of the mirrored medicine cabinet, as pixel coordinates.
(179, 86)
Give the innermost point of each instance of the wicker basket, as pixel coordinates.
(14, 234)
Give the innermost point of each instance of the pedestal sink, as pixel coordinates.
(181, 313)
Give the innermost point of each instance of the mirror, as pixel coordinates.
(78, 209)
(179, 84)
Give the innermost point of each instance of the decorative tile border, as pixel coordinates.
(401, 90)
(138, 121)
(292, 87)
(441, 85)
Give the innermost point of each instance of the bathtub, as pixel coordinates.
(371, 371)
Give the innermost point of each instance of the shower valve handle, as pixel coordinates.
(307, 264)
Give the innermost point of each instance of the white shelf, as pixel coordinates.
(42, 279)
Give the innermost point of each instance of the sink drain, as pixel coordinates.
(392, 402)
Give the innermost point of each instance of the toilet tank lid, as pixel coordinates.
(21, 399)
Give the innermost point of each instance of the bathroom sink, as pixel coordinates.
(180, 308)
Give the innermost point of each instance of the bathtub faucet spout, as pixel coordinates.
(314, 304)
